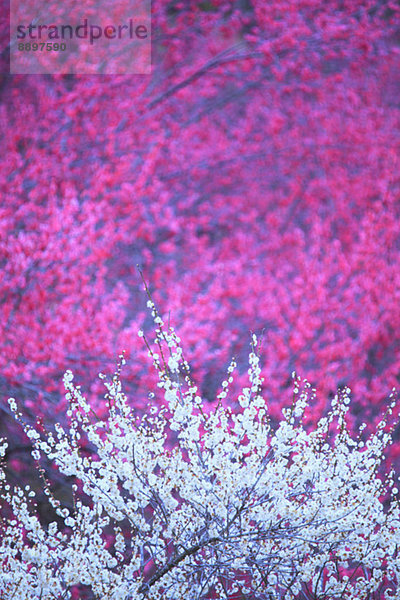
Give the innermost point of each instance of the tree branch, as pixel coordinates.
(197, 74)
(174, 563)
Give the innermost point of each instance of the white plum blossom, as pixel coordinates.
(182, 503)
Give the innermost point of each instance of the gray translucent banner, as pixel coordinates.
(80, 37)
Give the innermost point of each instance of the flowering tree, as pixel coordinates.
(188, 503)
(253, 175)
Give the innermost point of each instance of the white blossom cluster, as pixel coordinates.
(184, 504)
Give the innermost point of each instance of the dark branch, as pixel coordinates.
(175, 562)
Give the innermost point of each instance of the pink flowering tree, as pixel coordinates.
(253, 176)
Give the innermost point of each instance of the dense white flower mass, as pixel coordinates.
(185, 504)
